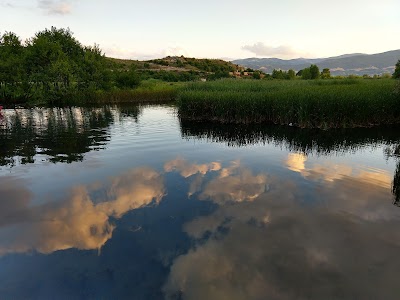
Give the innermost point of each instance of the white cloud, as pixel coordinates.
(78, 220)
(53, 7)
(261, 249)
(7, 4)
(282, 51)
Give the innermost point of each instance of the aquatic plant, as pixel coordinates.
(318, 103)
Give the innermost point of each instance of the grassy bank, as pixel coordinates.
(149, 91)
(304, 103)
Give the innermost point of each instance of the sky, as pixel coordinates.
(227, 29)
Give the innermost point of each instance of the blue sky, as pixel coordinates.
(214, 29)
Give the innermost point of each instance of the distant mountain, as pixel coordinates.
(356, 63)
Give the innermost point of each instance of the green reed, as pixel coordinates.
(314, 103)
(149, 91)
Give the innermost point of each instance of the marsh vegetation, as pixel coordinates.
(303, 103)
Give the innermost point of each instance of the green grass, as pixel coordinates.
(149, 91)
(313, 103)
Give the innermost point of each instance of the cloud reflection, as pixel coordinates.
(342, 245)
(233, 183)
(77, 221)
(330, 172)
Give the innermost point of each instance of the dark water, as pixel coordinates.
(132, 203)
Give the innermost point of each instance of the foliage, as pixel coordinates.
(280, 74)
(314, 70)
(318, 103)
(199, 65)
(53, 67)
(396, 73)
(257, 75)
(306, 74)
(326, 73)
(127, 79)
(310, 73)
(291, 74)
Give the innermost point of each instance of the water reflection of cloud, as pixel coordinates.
(232, 183)
(188, 169)
(343, 246)
(76, 221)
(330, 172)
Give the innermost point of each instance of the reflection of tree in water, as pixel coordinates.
(308, 141)
(129, 111)
(63, 134)
(396, 186)
(394, 152)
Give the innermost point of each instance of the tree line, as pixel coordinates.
(313, 72)
(54, 66)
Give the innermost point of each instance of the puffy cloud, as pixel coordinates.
(77, 221)
(284, 51)
(235, 184)
(133, 189)
(296, 162)
(187, 169)
(285, 258)
(232, 183)
(275, 247)
(53, 7)
(330, 172)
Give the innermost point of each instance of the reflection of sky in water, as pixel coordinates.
(154, 215)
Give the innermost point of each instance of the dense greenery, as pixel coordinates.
(312, 103)
(396, 73)
(280, 74)
(52, 66)
(205, 65)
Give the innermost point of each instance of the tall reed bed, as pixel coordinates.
(315, 103)
(150, 91)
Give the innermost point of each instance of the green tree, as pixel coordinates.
(12, 74)
(291, 74)
(127, 79)
(326, 73)
(256, 75)
(314, 70)
(11, 51)
(53, 59)
(306, 74)
(396, 73)
(279, 74)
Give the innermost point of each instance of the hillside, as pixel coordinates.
(176, 68)
(356, 63)
(177, 63)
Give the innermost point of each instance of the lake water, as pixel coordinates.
(129, 202)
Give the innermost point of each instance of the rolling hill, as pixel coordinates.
(357, 63)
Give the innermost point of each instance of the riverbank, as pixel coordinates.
(335, 103)
(149, 91)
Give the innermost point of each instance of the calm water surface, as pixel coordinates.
(129, 202)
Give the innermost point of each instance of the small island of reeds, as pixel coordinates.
(333, 103)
